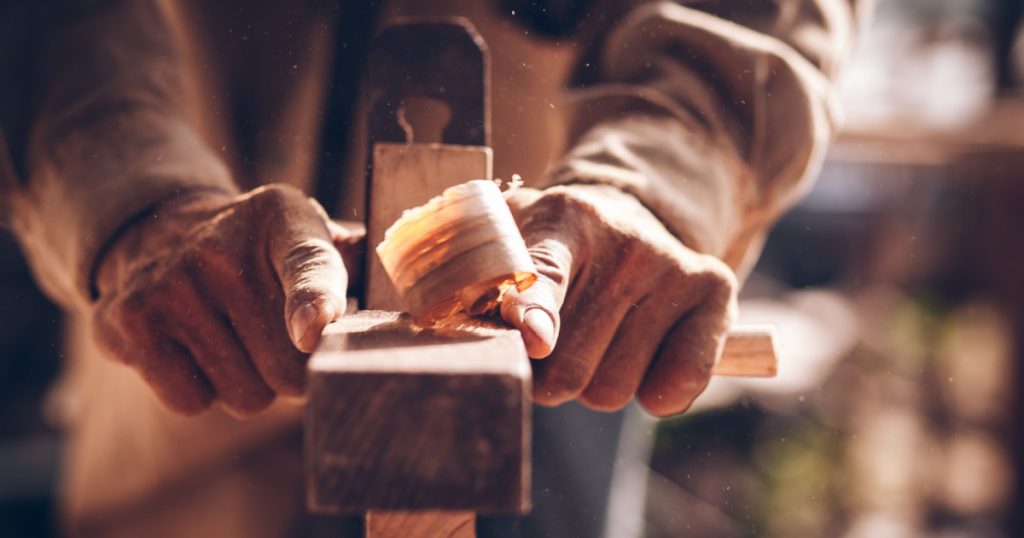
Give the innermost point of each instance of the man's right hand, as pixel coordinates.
(219, 297)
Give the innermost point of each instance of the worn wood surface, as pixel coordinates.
(406, 176)
(421, 524)
(405, 418)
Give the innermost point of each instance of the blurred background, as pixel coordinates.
(898, 285)
(898, 288)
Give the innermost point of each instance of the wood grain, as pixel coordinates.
(405, 418)
(420, 524)
(749, 351)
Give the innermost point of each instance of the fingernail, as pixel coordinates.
(301, 320)
(539, 323)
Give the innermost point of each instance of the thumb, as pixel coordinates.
(535, 311)
(312, 276)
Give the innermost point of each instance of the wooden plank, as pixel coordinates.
(406, 176)
(422, 524)
(749, 351)
(405, 418)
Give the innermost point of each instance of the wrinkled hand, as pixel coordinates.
(633, 310)
(216, 297)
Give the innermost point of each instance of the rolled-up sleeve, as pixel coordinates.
(110, 136)
(715, 115)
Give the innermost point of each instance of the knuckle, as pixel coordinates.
(626, 261)
(188, 407)
(720, 299)
(718, 275)
(134, 301)
(247, 403)
(704, 362)
(603, 397)
(271, 194)
(288, 385)
(663, 401)
(656, 405)
(312, 263)
(713, 283)
(274, 197)
(285, 375)
(215, 259)
(190, 262)
(554, 207)
(673, 392)
(303, 294)
(716, 295)
(552, 261)
(560, 204)
(559, 385)
(561, 200)
(173, 300)
(133, 312)
(273, 356)
(311, 251)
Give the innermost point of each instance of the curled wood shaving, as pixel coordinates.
(461, 251)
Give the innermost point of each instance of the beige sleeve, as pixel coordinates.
(110, 138)
(716, 115)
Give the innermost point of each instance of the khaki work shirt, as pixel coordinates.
(714, 114)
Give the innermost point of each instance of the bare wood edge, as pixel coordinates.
(420, 524)
(750, 351)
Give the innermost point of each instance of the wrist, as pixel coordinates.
(161, 225)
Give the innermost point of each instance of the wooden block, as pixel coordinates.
(407, 176)
(405, 418)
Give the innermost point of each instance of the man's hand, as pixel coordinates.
(216, 297)
(633, 311)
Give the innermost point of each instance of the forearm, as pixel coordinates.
(111, 137)
(715, 126)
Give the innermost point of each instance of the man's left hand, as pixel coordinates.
(621, 308)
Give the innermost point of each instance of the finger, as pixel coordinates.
(682, 367)
(174, 377)
(586, 334)
(535, 312)
(627, 358)
(593, 310)
(311, 273)
(597, 304)
(258, 324)
(552, 247)
(168, 369)
(210, 339)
